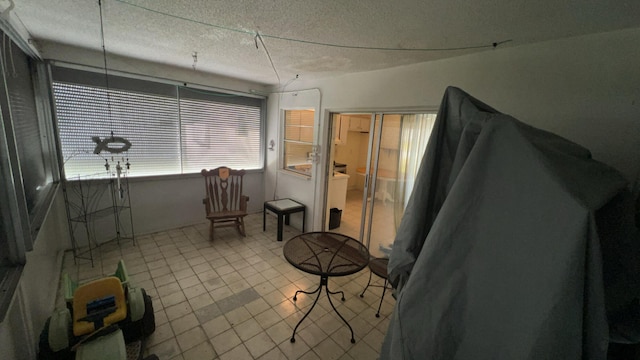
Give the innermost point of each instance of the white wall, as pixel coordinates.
(169, 203)
(586, 89)
(160, 203)
(34, 299)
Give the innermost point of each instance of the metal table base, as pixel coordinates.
(323, 282)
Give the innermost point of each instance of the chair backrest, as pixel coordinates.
(224, 189)
(85, 295)
(69, 286)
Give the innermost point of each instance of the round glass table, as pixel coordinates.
(325, 254)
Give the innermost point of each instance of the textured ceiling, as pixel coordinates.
(223, 32)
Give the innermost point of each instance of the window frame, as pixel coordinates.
(307, 170)
(20, 222)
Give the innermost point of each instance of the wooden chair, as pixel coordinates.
(225, 204)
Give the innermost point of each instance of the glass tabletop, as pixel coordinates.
(284, 204)
(326, 254)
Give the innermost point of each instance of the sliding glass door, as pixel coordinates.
(383, 171)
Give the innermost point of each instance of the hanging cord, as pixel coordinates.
(259, 37)
(242, 31)
(106, 74)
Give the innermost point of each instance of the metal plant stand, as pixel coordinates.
(86, 202)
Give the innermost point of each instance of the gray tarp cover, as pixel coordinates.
(499, 254)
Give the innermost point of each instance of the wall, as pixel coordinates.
(584, 88)
(153, 200)
(34, 299)
(163, 203)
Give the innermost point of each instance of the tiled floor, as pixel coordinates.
(232, 299)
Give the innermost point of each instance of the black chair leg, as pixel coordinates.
(366, 287)
(384, 289)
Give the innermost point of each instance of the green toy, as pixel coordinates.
(101, 321)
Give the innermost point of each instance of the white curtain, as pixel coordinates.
(415, 130)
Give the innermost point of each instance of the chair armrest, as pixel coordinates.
(59, 329)
(122, 274)
(68, 287)
(136, 304)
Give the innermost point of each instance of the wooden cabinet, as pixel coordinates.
(340, 129)
(359, 123)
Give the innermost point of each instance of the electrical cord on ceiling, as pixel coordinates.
(260, 36)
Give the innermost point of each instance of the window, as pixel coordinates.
(298, 141)
(28, 167)
(172, 129)
(219, 130)
(148, 121)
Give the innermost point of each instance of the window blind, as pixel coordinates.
(219, 134)
(149, 122)
(172, 130)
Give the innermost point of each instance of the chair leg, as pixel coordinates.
(384, 289)
(241, 227)
(368, 283)
(211, 230)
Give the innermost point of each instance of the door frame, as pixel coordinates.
(330, 149)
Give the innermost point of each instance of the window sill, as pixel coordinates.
(295, 174)
(9, 279)
(134, 179)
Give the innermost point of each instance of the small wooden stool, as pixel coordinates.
(378, 267)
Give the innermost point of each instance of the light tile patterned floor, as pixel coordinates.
(232, 298)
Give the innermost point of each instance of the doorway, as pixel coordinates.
(380, 154)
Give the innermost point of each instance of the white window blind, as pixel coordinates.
(149, 122)
(216, 133)
(170, 134)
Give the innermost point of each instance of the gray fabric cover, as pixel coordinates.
(499, 255)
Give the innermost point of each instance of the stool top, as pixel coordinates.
(379, 267)
(284, 204)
